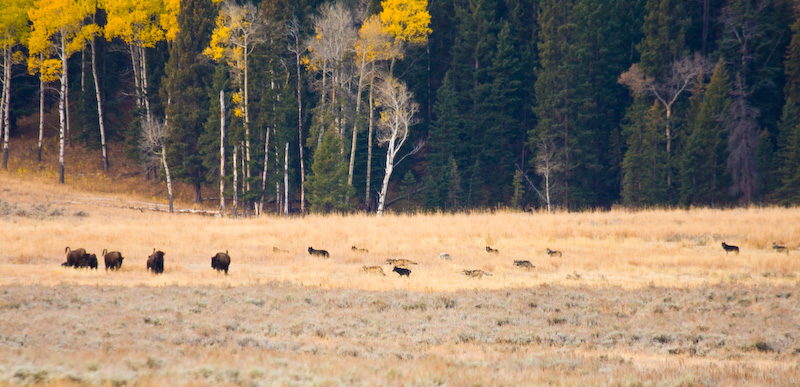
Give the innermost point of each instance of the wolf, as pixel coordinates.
(400, 262)
(321, 253)
(526, 264)
(491, 250)
(475, 273)
(444, 256)
(553, 253)
(358, 250)
(401, 271)
(728, 248)
(373, 269)
(779, 248)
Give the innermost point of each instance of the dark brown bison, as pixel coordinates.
(221, 261)
(321, 253)
(74, 257)
(90, 260)
(113, 259)
(78, 258)
(155, 262)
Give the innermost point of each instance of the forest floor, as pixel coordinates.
(636, 298)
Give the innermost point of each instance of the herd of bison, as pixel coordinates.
(155, 262)
(79, 258)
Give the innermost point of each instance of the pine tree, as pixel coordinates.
(643, 168)
(664, 36)
(500, 108)
(442, 142)
(789, 139)
(327, 184)
(704, 180)
(188, 77)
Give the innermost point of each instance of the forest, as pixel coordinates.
(356, 105)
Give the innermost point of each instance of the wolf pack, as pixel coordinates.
(80, 258)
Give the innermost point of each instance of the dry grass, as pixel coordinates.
(637, 297)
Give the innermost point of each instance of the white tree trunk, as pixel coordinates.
(143, 72)
(135, 66)
(99, 108)
(385, 185)
(264, 173)
(62, 116)
(235, 183)
(166, 171)
(41, 119)
(286, 180)
(4, 103)
(221, 151)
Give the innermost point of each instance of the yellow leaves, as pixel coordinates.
(14, 22)
(406, 20)
(237, 98)
(219, 39)
(373, 42)
(141, 22)
(57, 23)
(49, 70)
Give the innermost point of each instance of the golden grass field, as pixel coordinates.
(637, 298)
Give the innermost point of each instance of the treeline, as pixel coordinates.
(450, 105)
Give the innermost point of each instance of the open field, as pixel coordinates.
(637, 298)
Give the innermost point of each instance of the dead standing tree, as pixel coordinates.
(397, 116)
(152, 143)
(683, 74)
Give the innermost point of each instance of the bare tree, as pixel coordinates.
(397, 116)
(153, 142)
(330, 46)
(683, 74)
(546, 166)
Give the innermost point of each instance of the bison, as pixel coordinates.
(74, 257)
(320, 253)
(221, 261)
(90, 260)
(79, 258)
(113, 259)
(155, 262)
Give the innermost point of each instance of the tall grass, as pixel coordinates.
(614, 248)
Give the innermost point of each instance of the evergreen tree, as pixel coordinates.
(789, 140)
(500, 109)
(643, 169)
(188, 77)
(704, 180)
(442, 142)
(664, 39)
(565, 104)
(327, 185)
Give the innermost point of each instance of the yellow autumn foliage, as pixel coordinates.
(407, 20)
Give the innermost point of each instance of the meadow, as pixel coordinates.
(637, 297)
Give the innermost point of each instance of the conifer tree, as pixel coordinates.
(327, 184)
(789, 140)
(188, 77)
(704, 180)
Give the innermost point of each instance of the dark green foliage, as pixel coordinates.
(704, 180)
(664, 39)
(188, 78)
(327, 185)
(644, 181)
